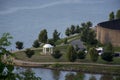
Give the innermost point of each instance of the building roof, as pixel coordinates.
(114, 24)
(47, 46)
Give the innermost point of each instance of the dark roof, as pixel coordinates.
(114, 24)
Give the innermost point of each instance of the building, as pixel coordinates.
(109, 31)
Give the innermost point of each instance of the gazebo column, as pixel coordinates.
(45, 51)
(51, 50)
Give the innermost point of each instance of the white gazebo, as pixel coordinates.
(47, 48)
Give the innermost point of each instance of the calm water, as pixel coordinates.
(24, 19)
(47, 74)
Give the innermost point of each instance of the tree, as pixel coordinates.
(81, 55)
(56, 54)
(89, 24)
(19, 45)
(36, 44)
(56, 35)
(108, 52)
(67, 32)
(29, 53)
(108, 47)
(43, 36)
(51, 41)
(118, 14)
(72, 29)
(77, 29)
(93, 54)
(88, 35)
(111, 16)
(71, 53)
(5, 42)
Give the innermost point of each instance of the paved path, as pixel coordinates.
(37, 64)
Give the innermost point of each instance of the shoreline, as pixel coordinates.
(72, 66)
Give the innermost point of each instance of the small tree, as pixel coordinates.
(67, 32)
(108, 52)
(56, 35)
(56, 54)
(19, 45)
(72, 30)
(71, 53)
(36, 44)
(118, 14)
(81, 55)
(77, 29)
(93, 54)
(111, 16)
(108, 47)
(43, 36)
(29, 53)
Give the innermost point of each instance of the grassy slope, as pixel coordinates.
(37, 57)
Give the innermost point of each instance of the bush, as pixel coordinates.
(29, 53)
(81, 55)
(56, 54)
(93, 54)
(71, 54)
(107, 56)
(56, 65)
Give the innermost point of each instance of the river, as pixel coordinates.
(24, 19)
(48, 74)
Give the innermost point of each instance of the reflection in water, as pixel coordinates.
(72, 76)
(56, 74)
(47, 74)
(106, 77)
(92, 78)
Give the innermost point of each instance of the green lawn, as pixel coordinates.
(37, 57)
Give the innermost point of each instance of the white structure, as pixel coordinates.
(47, 48)
(100, 50)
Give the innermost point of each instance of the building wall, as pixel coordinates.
(105, 35)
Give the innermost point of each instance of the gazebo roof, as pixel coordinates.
(47, 46)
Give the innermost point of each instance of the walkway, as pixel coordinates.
(38, 64)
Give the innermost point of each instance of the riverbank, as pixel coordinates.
(72, 66)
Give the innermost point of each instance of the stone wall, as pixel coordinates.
(105, 35)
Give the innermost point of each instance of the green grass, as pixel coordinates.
(37, 57)
(70, 38)
(117, 49)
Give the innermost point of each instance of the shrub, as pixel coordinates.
(29, 53)
(71, 54)
(81, 55)
(56, 65)
(56, 54)
(93, 54)
(107, 56)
